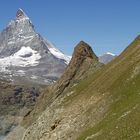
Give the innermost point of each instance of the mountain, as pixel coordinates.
(27, 63)
(103, 105)
(25, 56)
(82, 63)
(15, 102)
(107, 57)
(89, 101)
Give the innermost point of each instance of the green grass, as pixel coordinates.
(122, 121)
(118, 95)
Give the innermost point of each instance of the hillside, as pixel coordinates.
(121, 121)
(103, 105)
(83, 61)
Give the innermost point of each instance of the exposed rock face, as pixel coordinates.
(82, 61)
(27, 62)
(24, 53)
(91, 109)
(83, 58)
(103, 106)
(20, 14)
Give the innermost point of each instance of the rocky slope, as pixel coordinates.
(27, 63)
(105, 105)
(89, 101)
(25, 55)
(82, 63)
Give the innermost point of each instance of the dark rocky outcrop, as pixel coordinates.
(82, 60)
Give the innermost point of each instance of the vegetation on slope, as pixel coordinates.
(104, 105)
(122, 118)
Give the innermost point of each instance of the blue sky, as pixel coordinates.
(107, 25)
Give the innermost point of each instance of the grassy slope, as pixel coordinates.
(122, 120)
(106, 104)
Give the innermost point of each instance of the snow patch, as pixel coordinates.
(21, 72)
(11, 42)
(24, 51)
(34, 77)
(59, 54)
(110, 53)
(24, 57)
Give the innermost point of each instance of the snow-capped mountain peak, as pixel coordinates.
(24, 50)
(21, 14)
(59, 54)
(56, 52)
(110, 53)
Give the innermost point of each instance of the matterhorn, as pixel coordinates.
(26, 55)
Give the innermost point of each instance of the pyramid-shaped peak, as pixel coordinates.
(83, 49)
(83, 43)
(20, 14)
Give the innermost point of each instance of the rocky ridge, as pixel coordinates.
(27, 63)
(89, 101)
(104, 101)
(82, 61)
